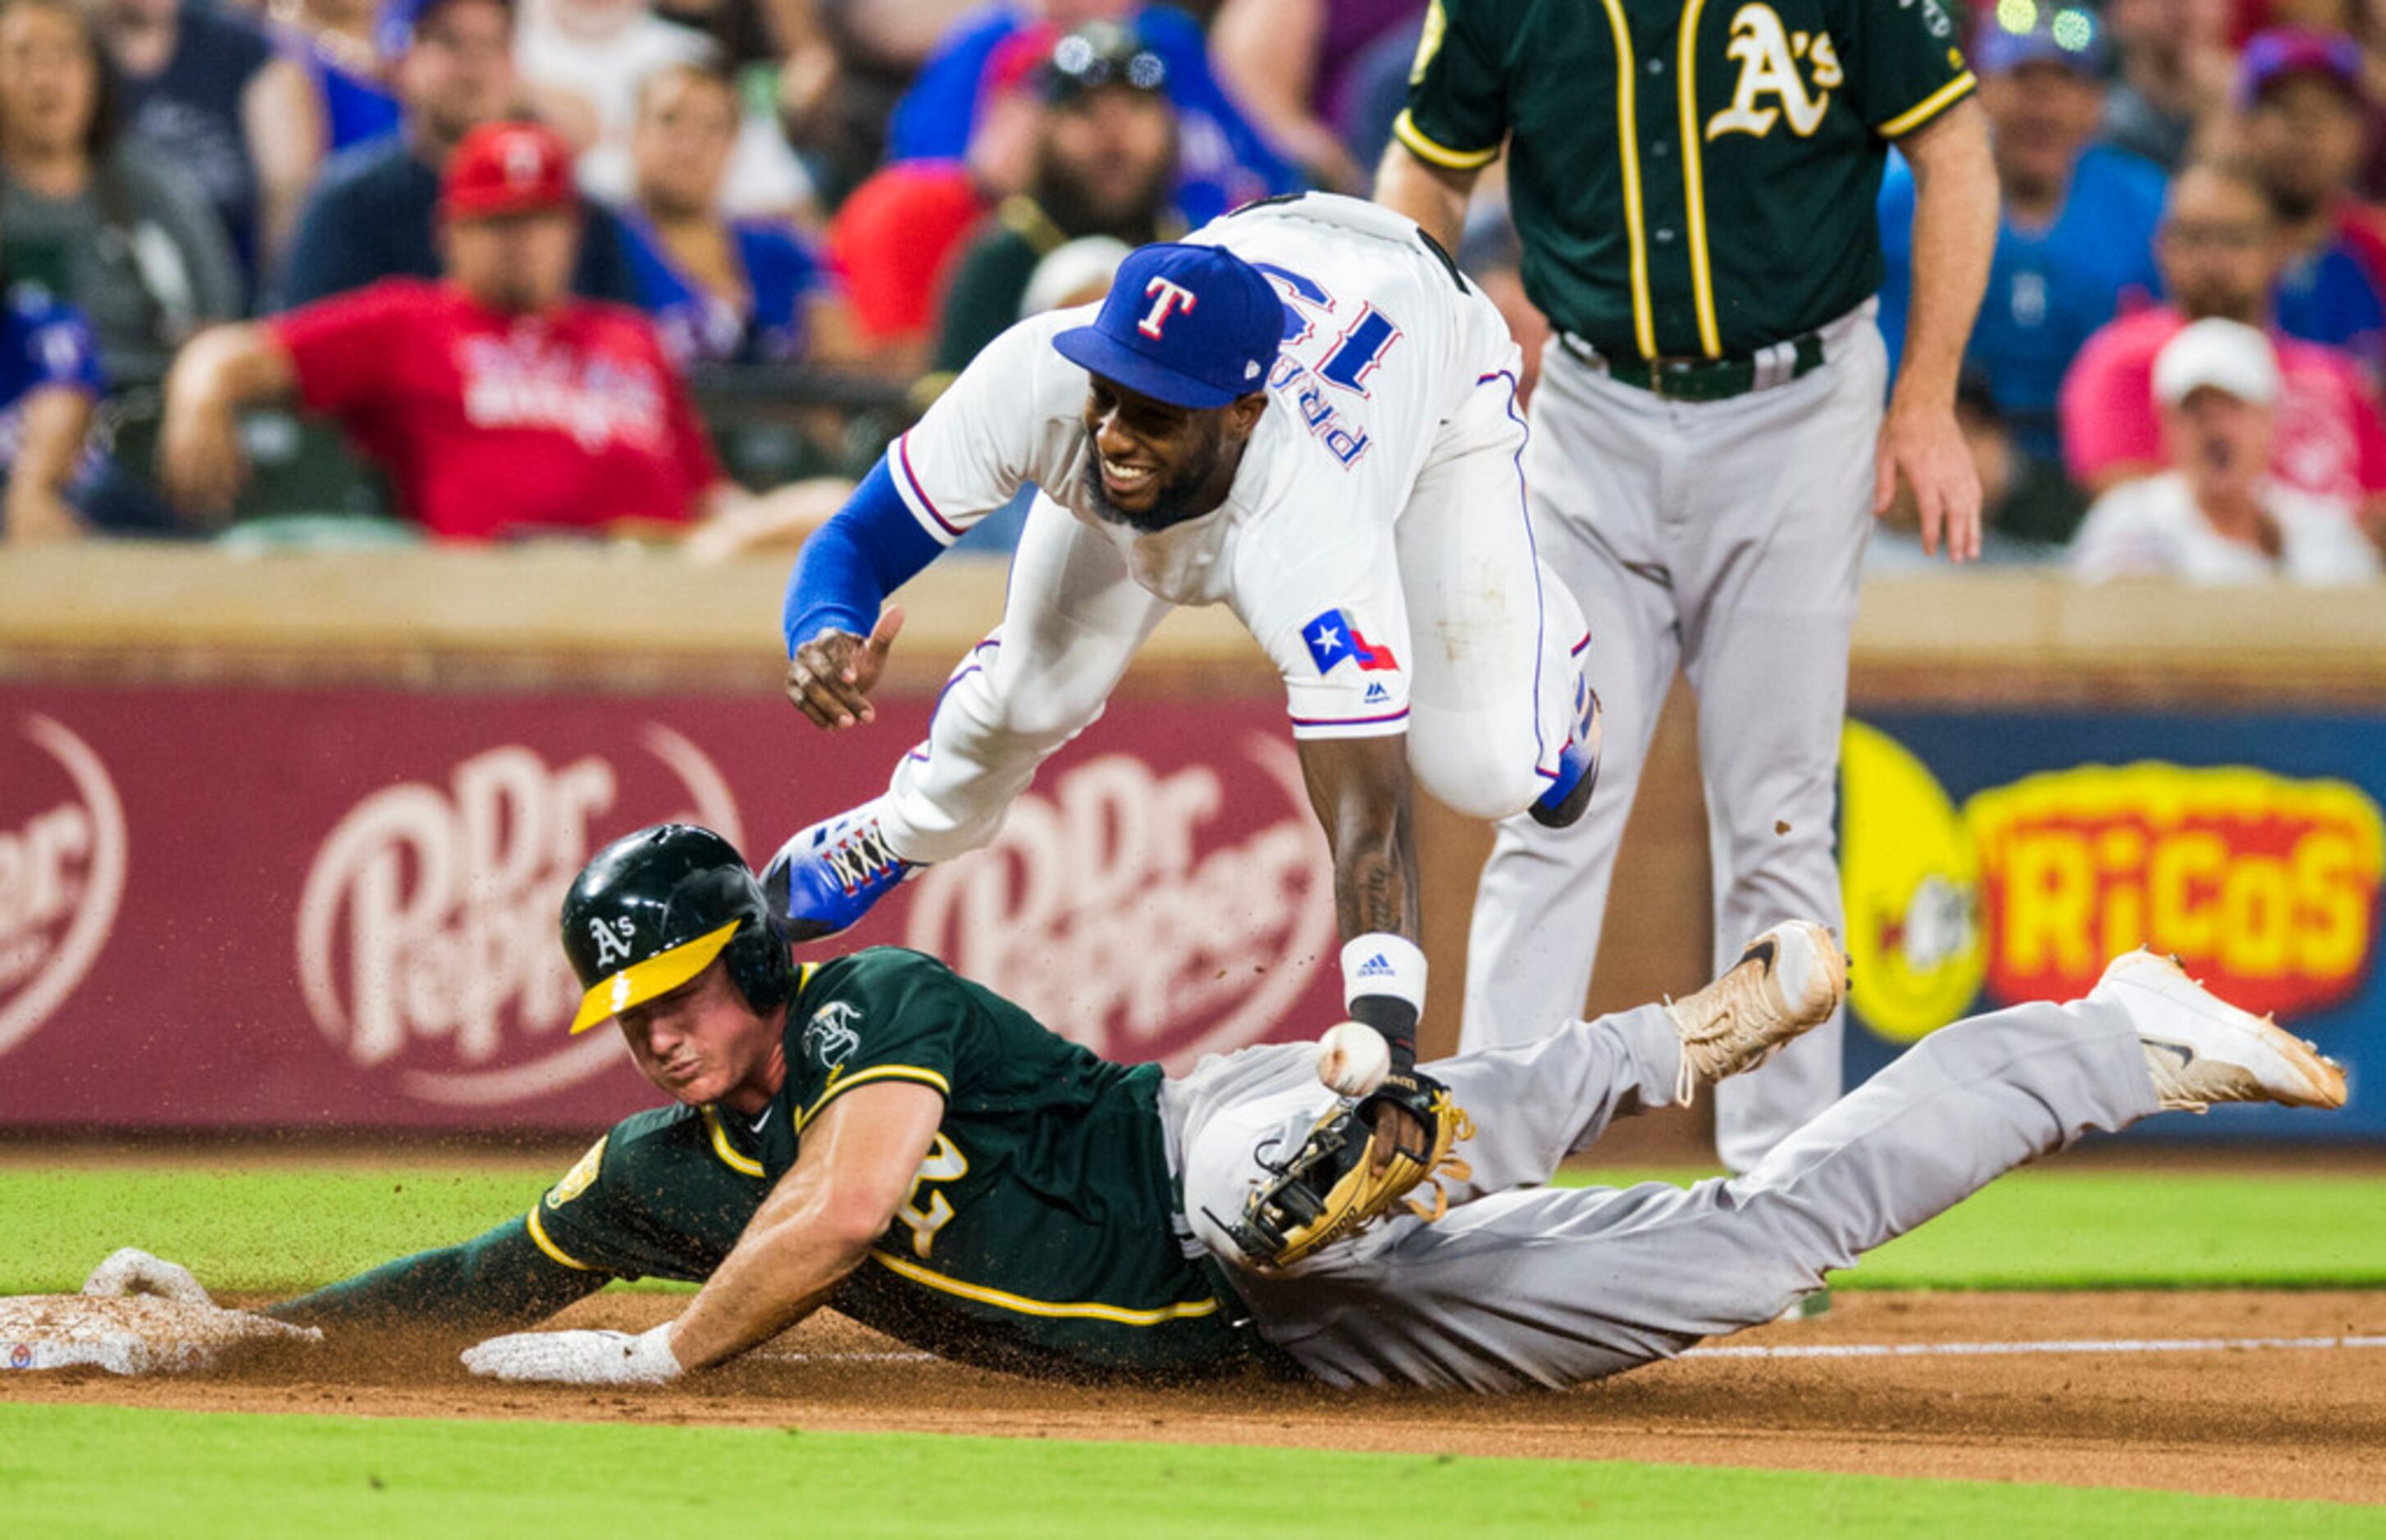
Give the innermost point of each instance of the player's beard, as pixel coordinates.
(1172, 503)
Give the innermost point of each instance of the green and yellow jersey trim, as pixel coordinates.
(839, 1084)
(1433, 153)
(1191, 1310)
(1627, 145)
(1694, 183)
(1928, 108)
(745, 1165)
(539, 1236)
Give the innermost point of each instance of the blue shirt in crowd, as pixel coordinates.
(2049, 288)
(1224, 163)
(699, 327)
(42, 342)
(2337, 294)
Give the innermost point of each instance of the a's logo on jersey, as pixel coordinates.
(1333, 639)
(1769, 56)
(612, 940)
(575, 1181)
(1167, 300)
(829, 1035)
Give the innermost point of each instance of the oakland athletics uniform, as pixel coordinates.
(1067, 1215)
(1374, 539)
(1693, 185)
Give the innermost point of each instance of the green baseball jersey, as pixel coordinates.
(1041, 1231)
(1689, 179)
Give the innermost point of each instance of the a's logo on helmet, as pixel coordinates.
(62, 861)
(829, 1036)
(612, 941)
(427, 928)
(1146, 915)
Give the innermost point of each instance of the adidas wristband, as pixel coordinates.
(1383, 984)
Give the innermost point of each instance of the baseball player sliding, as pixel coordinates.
(877, 1133)
(1305, 414)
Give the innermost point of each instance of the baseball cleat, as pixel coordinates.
(1787, 982)
(2201, 1049)
(1562, 803)
(825, 879)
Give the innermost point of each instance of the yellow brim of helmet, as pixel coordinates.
(659, 974)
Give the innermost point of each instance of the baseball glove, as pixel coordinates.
(1331, 1187)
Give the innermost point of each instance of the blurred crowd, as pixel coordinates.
(512, 255)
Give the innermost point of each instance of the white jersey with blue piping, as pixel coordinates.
(1383, 344)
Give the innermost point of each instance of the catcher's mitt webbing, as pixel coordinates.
(1328, 1189)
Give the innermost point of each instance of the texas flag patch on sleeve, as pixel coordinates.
(1332, 638)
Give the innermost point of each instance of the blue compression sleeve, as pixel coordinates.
(871, 547)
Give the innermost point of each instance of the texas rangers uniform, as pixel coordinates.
(1375, 541)
(1694, 189)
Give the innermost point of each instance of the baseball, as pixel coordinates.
(1353, 1058)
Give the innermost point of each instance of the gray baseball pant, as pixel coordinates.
(1521, 1285)
(1726, 537)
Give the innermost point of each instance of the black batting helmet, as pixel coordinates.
(654, 908)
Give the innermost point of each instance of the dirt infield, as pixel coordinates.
(2255, 1422)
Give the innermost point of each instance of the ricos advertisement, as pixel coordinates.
(1993, 858)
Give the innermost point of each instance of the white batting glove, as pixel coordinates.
(578, 1358)
(133, 1270)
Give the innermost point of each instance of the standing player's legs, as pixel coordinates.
(1767, 569)
(1495, 641)
(1556, 1286)
(1072, 620)
(1595, 475)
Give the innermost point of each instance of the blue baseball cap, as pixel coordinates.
(1193, 326)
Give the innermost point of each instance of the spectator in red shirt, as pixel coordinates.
(2220, 254)
(496, 402)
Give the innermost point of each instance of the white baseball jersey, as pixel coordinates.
(1389, 345)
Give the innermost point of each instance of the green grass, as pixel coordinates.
(274, 1229)
(100, 1470)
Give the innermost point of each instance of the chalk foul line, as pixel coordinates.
(1839, 1349)
(1995, 1349)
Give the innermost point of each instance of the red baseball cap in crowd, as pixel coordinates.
(507, 168)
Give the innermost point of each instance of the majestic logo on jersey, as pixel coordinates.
(1333, 639)
(829, 1035)
(1148, 914)
(612, 940)
(62, 859)
(1167, 299)
(426, 929)
(1768, 57)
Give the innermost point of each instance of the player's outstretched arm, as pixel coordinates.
(837, 626)
(1435, 196)
(859, 1160)
(495, 1281)
(1359, 788)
